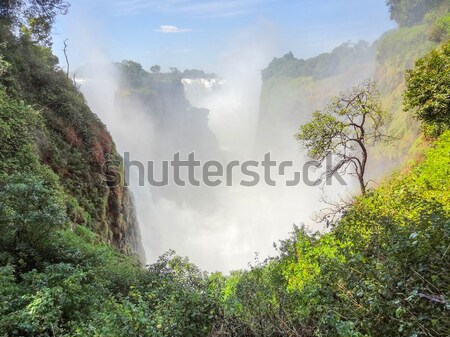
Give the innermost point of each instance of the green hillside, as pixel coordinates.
(380, 272)
(69, 240)
(293, 88)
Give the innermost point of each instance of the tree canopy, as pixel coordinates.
(410, 12)
(428, 90)
(352, 121)
(33, 17)
(321, 66)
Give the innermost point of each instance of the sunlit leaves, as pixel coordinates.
(428, 90)
(349, 124)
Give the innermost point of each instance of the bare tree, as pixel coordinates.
(350, 123)
(333, 210)
(67, 58)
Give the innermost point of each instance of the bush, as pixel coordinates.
(428, 90)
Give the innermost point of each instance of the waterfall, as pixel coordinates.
(197, 89)
(217, 227)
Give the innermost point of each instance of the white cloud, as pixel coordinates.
(172, 29)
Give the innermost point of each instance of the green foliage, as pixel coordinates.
(60, 132)
(156, 69)
(132, 73)
(30, 211)
(351, 122)
(56, 298)
(428, 90)
(382, 271)
(396, 239)
(85, 288)
(34, 17)
(402, 46)
(438, 23)
(16, 123)
(145, 84)
(397, 51)
(320, 134)
(322, 66)
(411, 12)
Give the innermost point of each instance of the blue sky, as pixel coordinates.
(196, 33)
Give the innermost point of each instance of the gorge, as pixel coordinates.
(90, 248)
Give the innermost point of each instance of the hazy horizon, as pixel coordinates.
(197, 34)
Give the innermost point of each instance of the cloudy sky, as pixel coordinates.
(194, 33)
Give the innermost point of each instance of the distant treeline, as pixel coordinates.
(321, 66)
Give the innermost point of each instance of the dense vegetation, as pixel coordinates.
(321, 66)
(382, 270)
(291, 92)
(135, 76)
(59, 133)
(411, 12)
(428, 90)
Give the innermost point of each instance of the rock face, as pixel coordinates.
(151, 117)
(78, 149)
(184, 127)
(176, 126)
(129, 236)
(79, 152)
(294, 88)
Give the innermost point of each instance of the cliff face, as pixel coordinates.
(68, 139)
(161, 98)
(156, 104)
(293, 89)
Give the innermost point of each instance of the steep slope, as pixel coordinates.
(381, 272)
(63, 136)
(158, 101)
(294, 88)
